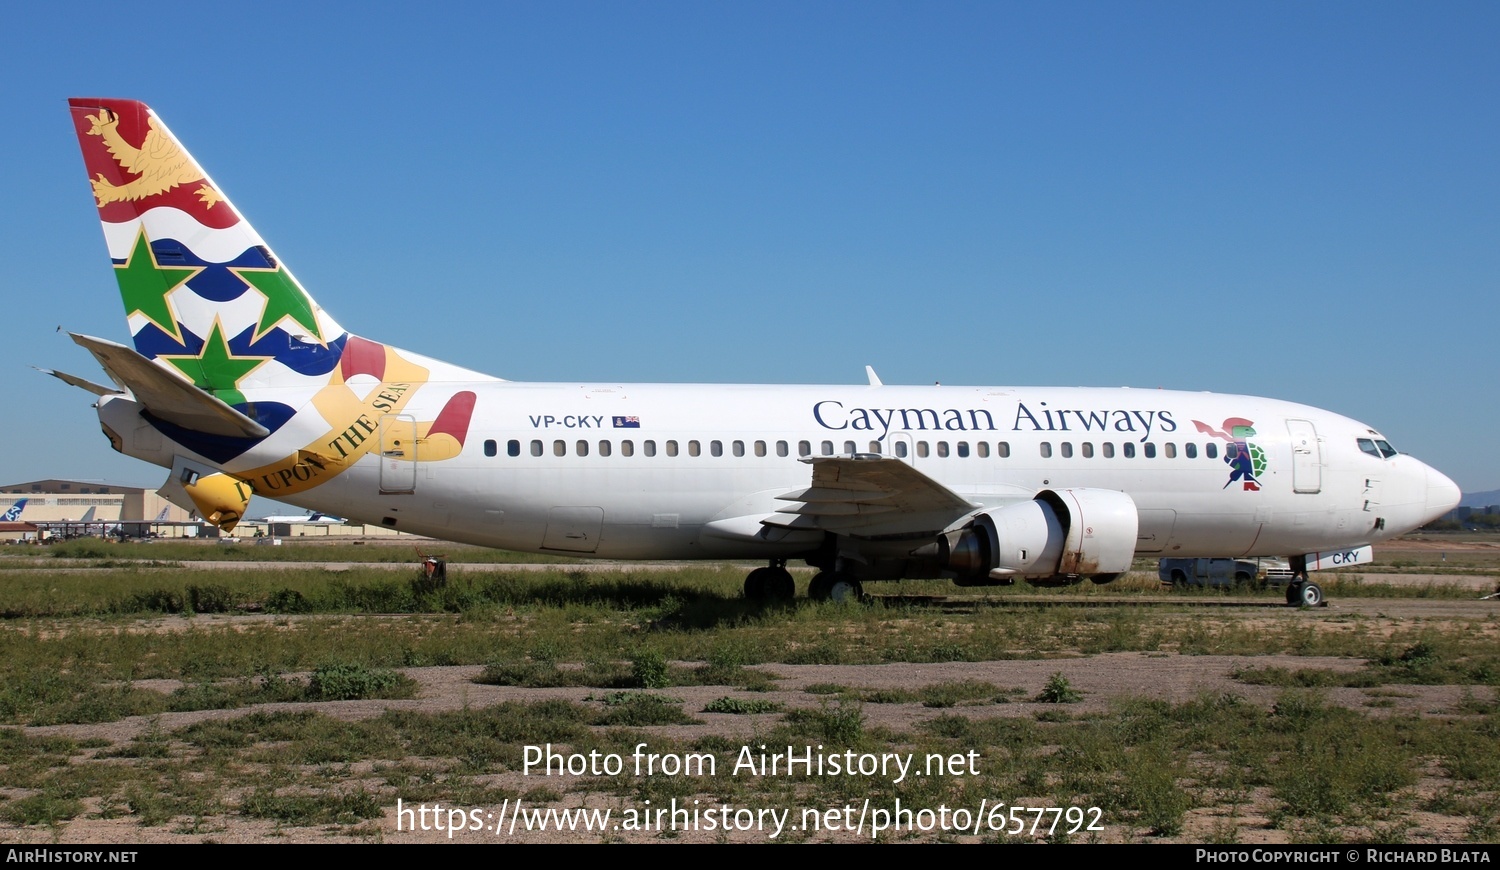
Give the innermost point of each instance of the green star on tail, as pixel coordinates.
(215, 369)
(145, 285)
(284, 298)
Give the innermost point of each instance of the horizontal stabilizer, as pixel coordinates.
(75, 381)
(167, 396)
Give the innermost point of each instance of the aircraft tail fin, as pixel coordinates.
(254, 385)
(205, 297)
(13, 513)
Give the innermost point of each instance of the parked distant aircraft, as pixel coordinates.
(296, 519)
(241, 384)
(13, 513)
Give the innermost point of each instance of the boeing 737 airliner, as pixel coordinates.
(241, 384)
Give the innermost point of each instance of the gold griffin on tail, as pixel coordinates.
(160, 163)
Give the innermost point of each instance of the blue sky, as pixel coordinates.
(1286, 199)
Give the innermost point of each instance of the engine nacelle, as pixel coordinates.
(1066, 533)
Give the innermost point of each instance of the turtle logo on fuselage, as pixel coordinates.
(1246, 459)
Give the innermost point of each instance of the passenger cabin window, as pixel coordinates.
(583, 448)
(1170, 449)
(804, 448)
(983, 449)
(1150, 450)
(942, 448)
(963, 449)
(648, 448)
(694, 448)
(922, 449)
(1128, 450)
(1002, 449)
(671, 448)
(536, 448)
(1211, 450)
(627, 448)
(1046, 449)
(1108, 448)
(491, 448)
(1190, 450)
(901, 449)
(605, 448)
(1067, 450)
(827, 448)
(849, 448)
(781, 448)
(716, 448)
(875, 447)
(512, 448)
(1087, 449)
(559, 448)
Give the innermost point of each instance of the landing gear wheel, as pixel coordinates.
(1304, 593)
(845, 588)
(755, 584)
(834, 586)
(770, 584)
(779, 585)
(820, 586)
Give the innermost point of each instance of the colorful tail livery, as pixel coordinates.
(13, 513)
(233, 359)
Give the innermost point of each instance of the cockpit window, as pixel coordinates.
(1376, 448)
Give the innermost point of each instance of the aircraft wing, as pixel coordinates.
(869, 495)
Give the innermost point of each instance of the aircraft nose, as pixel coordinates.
(1443, 495)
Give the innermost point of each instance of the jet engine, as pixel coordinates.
(1060, 536)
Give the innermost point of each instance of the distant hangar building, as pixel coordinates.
(54, 500)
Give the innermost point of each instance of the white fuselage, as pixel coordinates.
(641, 471)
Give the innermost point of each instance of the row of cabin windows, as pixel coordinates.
(941, 449)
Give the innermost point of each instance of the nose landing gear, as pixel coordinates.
(1302, 592)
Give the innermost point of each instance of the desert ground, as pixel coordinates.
(325, 696)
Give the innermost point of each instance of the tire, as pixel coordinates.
(779, 585)
(845, 589)
(1311, 595)
(834, 586)
(755, 584)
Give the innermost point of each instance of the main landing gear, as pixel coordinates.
(834, 586)
(773, 583)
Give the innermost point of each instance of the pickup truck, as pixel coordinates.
(1261, 571)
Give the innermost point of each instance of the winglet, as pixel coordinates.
(874, 378)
